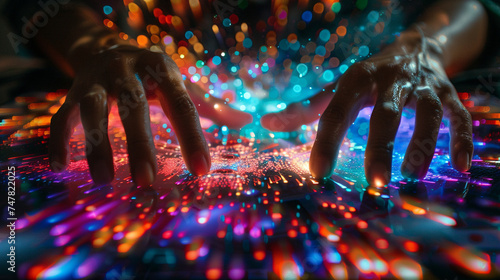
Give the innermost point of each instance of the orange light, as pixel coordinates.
(411, 246)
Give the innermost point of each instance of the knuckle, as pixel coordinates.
(362, 68)
(97, 96)
(434, 105)
(113, 58)
(131, 94)
(334, 113)
(380, 146)
(387, 112)
(183, 105)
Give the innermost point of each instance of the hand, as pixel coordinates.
(110, 75)
(409, 72)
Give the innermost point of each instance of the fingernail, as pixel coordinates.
(199, 163)
(378, 174)
(101, 173)
(320, 166)
(463, 161)
(144, 174)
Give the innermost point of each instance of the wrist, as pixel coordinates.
(95, 42)
(415, 39)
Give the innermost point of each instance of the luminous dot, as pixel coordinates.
(205, 70)
(320, 50)
(192, 70)
(302, 69)
(297, 88)
(216, 60)
(363, 51)
(247, 95)
(343, 68)
(304, 127)
(247, 43)
(189, 35)
(373, 16)
(336, 7)
(265, 67)
(328, 76)
(307, 16)
(324, 35)
(226, 22)
(107, 10)
(263, 49)
(214, 78)
(341, 30)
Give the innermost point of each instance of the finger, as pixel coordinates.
(134, 113)
(183, 115)
(94, 116)
(216, 109)
(461, 141)
(62, 125)
(299, 113)
(338, 116)
(420, 151)
(384, 124)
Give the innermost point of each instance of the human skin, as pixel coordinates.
(414, 71)
(107, 69)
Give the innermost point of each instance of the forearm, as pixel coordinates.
(458, 28)
(74, 32)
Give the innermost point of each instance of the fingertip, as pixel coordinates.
(198, 163)
(320, 165)
(378, 174)
(274, 122)
(57, 165)
(265, 120)
(144, 174)
(246, 118)
(410, 172)
(462, 161)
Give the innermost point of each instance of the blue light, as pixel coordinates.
(247, 43)
(328, 76)
(320, 50)
(216, 60)
(297, 88)
(265, 67)
(107, 9)
(363, 51)
(226, 22)
(214, 78)
(324, 35)
(189, 35)
(373, 16)
(343, 68)
(302, 69)
(307, 16)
